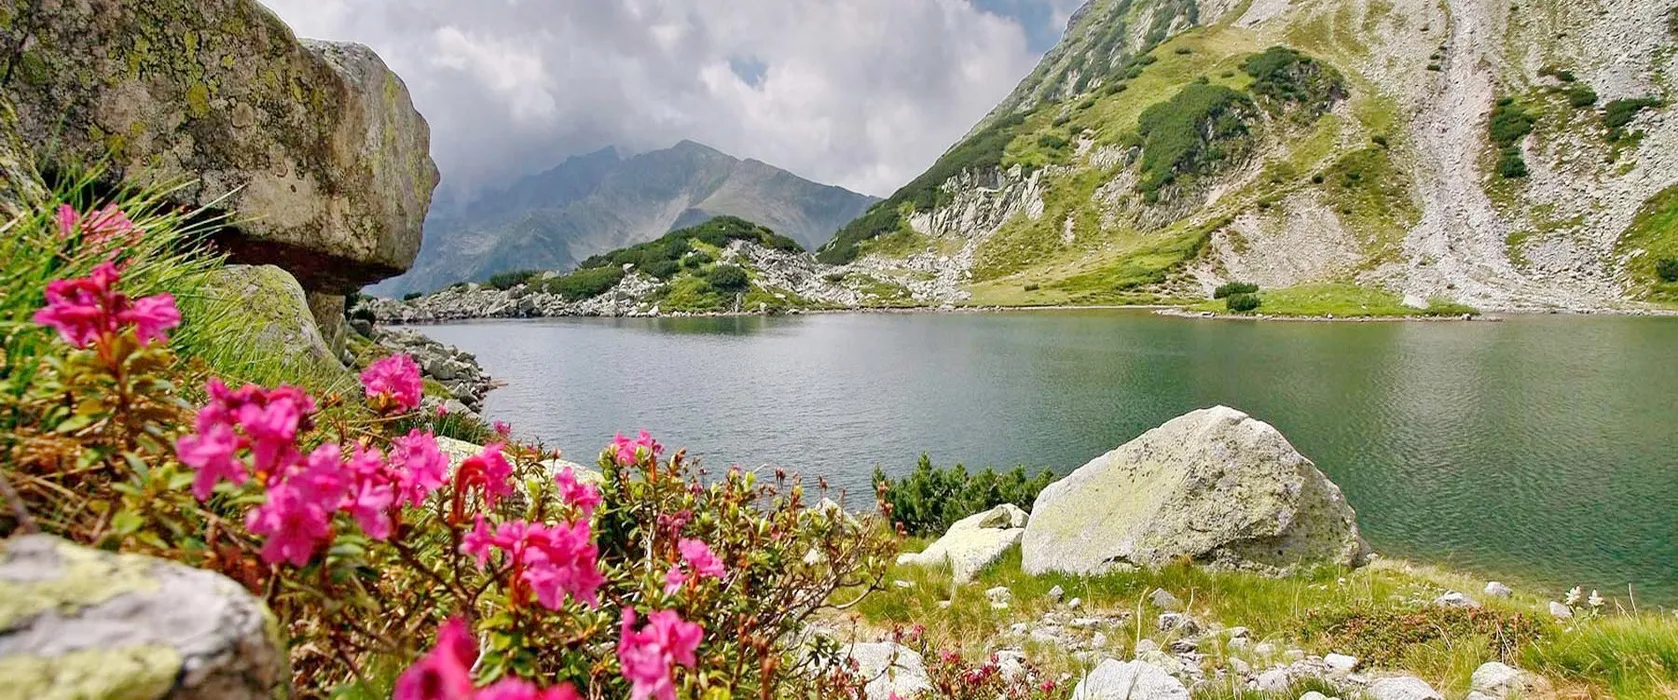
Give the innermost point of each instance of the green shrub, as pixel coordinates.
(585, 283)
(1183, 51)
(662, 269)
(1033, 287)
(1053, 142)
(1510, 164)
(1617, 115)
(1509, 124)
(1190, 133)
(512, 278)
(1667, 269)
(1380, 140)
(1581, 96)
(697, 260)
(1283, 76)
(1235, 288)
(729, 278)
(718, 232)
(930, 499)
(1241, 303)
(410, 296)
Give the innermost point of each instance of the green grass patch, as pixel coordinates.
(1341, 300)
(1198, 128)
(1655, 233)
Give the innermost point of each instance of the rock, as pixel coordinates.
(362, 326)
(1313, 695)
(1293, 655)
(1056, 593)
(1497, 680)
(1176, 622)
(1264, 650)
(1498, 590)
(1239, 666)
(972, 543)
(81, 623)
(1145, 646)
(1560, 611)
(1402, 688)
(1275, 680)
(1238, 632)
(1163, 600)
(1415, 302)
(270, 312)
(22, 190)
(313, 148)
(1098, 640)
(1453, 599)
(1010, 663)
(1340, 664)
(328, 310)
(1239, 643)
(890, 669)
(1075, 603)
(1215, 486)
(1133, 680)
(903, 584)
(1000, 595)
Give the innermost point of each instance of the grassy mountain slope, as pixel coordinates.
(1478, 151)
(598, 202)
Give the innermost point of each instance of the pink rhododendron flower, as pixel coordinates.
(487, 470)
(552, 561)
(446, 672)
(502, 429)
(584, 496)
(211, 452)
(297, 517)
(419, 466)
(393, 382)
(673, 579)
(87, 309)
(628, 451)
(698, 556)
(152, 317)
(270, 421)
(515, 689)
(478, 542)
(370, 493)
(99, 227)
(648, 655)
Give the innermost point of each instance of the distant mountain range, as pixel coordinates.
(600, 202)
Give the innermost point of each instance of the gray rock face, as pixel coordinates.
(273, 316)
(1134, 680)
(889, 669)
(314, 148)
(973, 542)
(1215, 486)
(80, 623)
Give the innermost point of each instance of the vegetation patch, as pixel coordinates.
(1390, 637)
(1284, 78)
(1242, 303)
(1202, 126)
(1618, 115)
(661, 257)
(1233, 288)
(931, 499)
(1341, 300)
(1510, 123)
(1650, 249)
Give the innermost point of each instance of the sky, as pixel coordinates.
(864, 94)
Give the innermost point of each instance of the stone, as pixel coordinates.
(1293, 655)
(1238, 632)
(1453, 599)
(1075, 603)
(1176, 622)
(1498, 680)
(1496, 589)
(1239, 643)
(1264, 650)
(1000, 595)
(313, 149)
(1146, 646)
(1239, 666)
(900, 583)
(1560, 611)
(22, 191)
(1163, 600)
(269, 311)
(1056, 593)
(1275, 680)
(1340, 664)
(328, 310)
(1098, 640)
(890, 668)
(1402, 688)
(1313, 695)
(973, 542)
(362, 326)
(82, 623)
(1010, 663)
(1215, 486)
(1132, 680)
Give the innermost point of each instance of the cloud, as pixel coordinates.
(860, 93)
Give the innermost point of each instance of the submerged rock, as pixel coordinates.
(1215, 486)
(973, 542)
(81, 623)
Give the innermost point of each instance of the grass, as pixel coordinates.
(1379, 613)
(1655, 233)
(1340, 300)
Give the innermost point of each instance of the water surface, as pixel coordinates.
(1542, 450)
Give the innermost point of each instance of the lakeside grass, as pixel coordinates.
(1339, 300)
(1380, 613)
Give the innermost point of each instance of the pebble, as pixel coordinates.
(1163, 600)
(1099, 640)
(1056, 593)
(1075, 603)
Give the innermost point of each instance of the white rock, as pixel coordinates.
(1496, 589)
(1340, 664)
(1176, 622)
(1163, 600)
(1145, 646)
(1239, 643)
(1560, 611)
(1293, 655)
(1099, 640)
(1000, 595)
(1010, 663)
(1239, 666)
(1238, 632)
(1133, 680)
(1498, 680)
(1075, 603)
(1265, 650)
(1453, 599)
(890, 668)
(1018, 628)
(1056, 593)
(1274, 680)
(1403, 688)
(973, 542)
(903, 584)
(1313, 695)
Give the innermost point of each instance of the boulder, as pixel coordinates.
(1133, 680)
(1214, 486)
(1496, 589)
(1498, 680)
(890, 670)
(328, 310)
(21, 188)
(1455, 599)
(973, 542)
(269, 313)
(82, 623)
(1402, 688)
(314, 149)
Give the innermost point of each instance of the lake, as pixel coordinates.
(1542, 450)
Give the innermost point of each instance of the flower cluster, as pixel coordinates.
(551, 561)
(700, 561)
(647, 655)
(393, 383)
(446, 674)
(90, 310)
(100, 228)
(629, 451)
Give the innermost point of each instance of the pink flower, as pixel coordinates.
(477, 543)
(584, 496)
(211, 453)
(515, 689)
(66, 220)
(99, 227)
(555, 561)
(297, 517)
(446, 672)
(698, 556)
(502, 429)
(152, 317)
(370, 494)
(647, 655)
(419, 466)
(629, 451)
(84, 309)
(673, 579)
(442, 410)
(393, 382)
(487, 470)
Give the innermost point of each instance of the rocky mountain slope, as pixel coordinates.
(598, 202)
(1505, 154)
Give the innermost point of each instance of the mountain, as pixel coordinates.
(599, 202)
(1499, 153)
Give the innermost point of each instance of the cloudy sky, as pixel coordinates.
(859, 93)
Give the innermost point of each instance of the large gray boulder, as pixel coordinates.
(313, 148)
(973, 542)
(1132, 680)
(82, 623)
(1214, 486)
(269, 314)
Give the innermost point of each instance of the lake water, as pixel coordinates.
(1542, 450)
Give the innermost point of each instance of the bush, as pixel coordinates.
(1620, 113)
(1283, 76)
(729, 278)
(511, 279)
(931, 499)
(697, 260)
(1667, 269)
(1234, 288)
(1241, 303)
(410, 296)
(585, 283)
(1053, 142)
(662, 269)
(1189, 133)
(1581, 96)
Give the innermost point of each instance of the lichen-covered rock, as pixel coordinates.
(1133, 680)
(314, 148)
(1214, 486)
(80, 623)
(272, 316)
(21, 189)
(973, 542)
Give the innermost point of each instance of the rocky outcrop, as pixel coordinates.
(973, 542)
(457, 370)
(313, 148)
(1134, 680)
(269, 314)
(1214, 486)
(21, 189)
(890, 670)
(80, 623)
(1497, 681)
